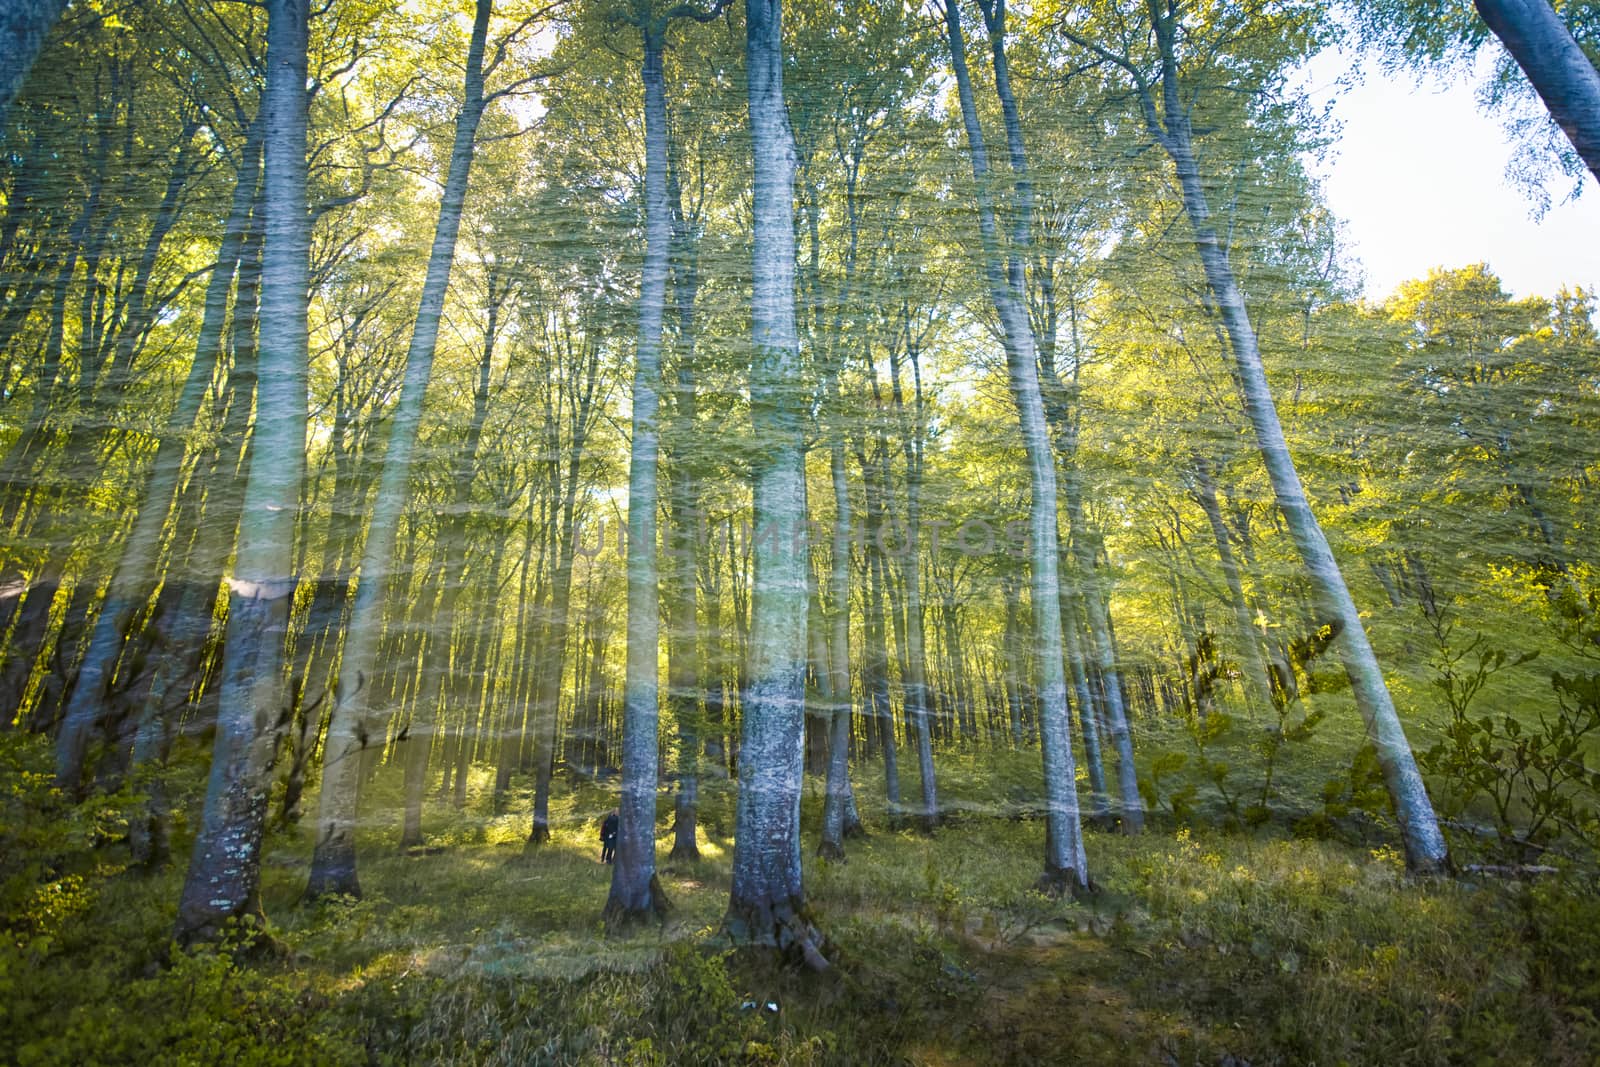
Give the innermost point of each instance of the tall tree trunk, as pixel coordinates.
(515, 726)
(1065, 865)
(470, 689)
(1132, 809)
(333, 863)
(1419, 827)
(1258, 683)
(916, 656)
(1102, 656)
(1280, 670)
(880, 716)
(547, 706)
(716, 667)
(635, 891)
(837, 801)
(689, 686)
(426, 716)
(224, 872)
(1011, 659)
(317, 646)
(767, 901)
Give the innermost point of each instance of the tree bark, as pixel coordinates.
(1065, 864)
(635, 892)
(767, 903)
(350, 727)
(1419, 827)
(1556, 66)
(224, 871)
(24, 25)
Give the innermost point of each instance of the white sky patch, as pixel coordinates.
(1418, 174)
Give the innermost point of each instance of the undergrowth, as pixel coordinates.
(1201, 945)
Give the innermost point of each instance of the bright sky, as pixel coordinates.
(1419, 177)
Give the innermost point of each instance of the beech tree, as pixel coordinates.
(635, 890)
(767, 901)
(224, 871)
(1166, 94)
(315, 436)
(1065, 864)
(333, 867)
(1563, 76)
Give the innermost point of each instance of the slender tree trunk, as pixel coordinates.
(1419, 827)
(916, 657)
(1065, 865)
(564, 487)
(1088, 725)
(1280, 670)
(515, 727)
(1013, 660)
(422, 732)
(876, 680)
(1102, 655)
(585, 739)
(428, 716)
(333, 863)
(994, 15)
(635, 891)
(836, 805)
(740, 575)
(224, 872)
(469, 689)
(767, 901)
(686, 662)
(317, 646)
(1258, 683)
(547, 706)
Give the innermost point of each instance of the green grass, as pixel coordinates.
(1200, 945)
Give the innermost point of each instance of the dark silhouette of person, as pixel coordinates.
(608, 838)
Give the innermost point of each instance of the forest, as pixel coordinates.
(923, 481)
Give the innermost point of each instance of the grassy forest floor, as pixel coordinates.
(1201, 947)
